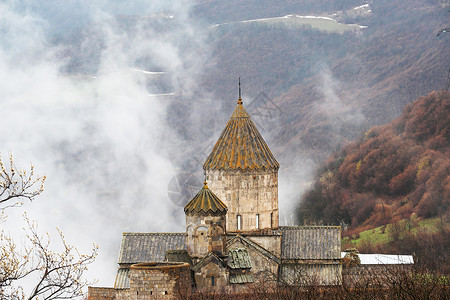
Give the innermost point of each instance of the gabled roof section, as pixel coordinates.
(210, 257)
(147, 247)
(205, 201)
(239, 259)
(311, 242)
(240, 146)
(251, 245)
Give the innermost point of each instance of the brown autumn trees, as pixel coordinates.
(393, 174)
(392, 171)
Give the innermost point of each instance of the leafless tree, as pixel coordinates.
(16, 184)
(57, 274)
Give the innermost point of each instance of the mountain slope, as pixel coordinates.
(331, 86)
(391, 172)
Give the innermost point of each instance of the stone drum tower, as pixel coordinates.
(205, 224)
(242, 171)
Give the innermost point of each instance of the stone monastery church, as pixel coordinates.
(233, 239)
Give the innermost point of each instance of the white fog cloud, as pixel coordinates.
(99, 138)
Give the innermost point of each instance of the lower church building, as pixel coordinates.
(233, 239)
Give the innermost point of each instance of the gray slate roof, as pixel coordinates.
(239, 259)
(147, 247)
(240, 278)
(122, 279)
(311, 242)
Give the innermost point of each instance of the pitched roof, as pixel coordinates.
(209, 257)
(311, 242)
(240, 146)
(147, 247)
(205, 201)
(122, 279)
(240, 278)
(251, 244)
(239, 259)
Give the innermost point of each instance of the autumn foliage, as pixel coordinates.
(391, 172)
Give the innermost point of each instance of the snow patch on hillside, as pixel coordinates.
(363, 8)
(289, 17)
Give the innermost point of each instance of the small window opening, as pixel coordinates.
(257, 221)
(201, 233)
(212, 281)
(239, 225)
(271, 220)
(165, 292)
(151, 292)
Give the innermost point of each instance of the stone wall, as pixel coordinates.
(310, 273)
(261, 264)
(247, 193)
(205, 233)
(150, 281)
(101, 293)
(211, 277)
(270, 242)
(160, 280)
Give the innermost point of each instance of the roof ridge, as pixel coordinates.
(205, 258)
(255, 245)
(293, 227)
(153, 233)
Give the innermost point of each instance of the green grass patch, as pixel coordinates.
(432, 278)
(384, 234)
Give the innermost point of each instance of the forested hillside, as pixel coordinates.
(393, 171)
(330, 86)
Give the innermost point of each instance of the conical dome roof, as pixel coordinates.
(205, 201)
(240, 146)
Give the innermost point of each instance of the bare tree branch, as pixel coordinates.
(16, 184)
(60, 274)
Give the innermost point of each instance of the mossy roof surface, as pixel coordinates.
(239, 259)
(241, 278)
(205, 202)
(240, 146)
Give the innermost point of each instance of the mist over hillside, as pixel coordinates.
(121, 103)
(390, 189)
(391, 172)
